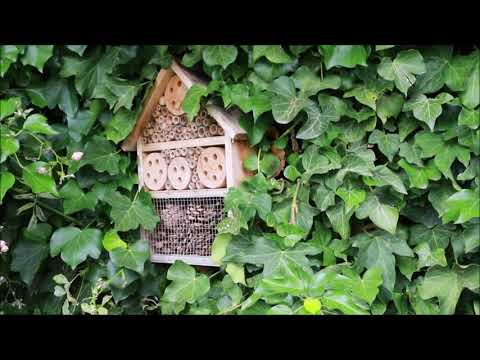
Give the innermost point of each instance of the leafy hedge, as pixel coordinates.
(365, 199)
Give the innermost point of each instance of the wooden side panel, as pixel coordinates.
(140, 162)
(163, 77)
(240, 151)
(187, 77)
(229, 163)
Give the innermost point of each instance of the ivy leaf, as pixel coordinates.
(80, 124)
(186, 286)
(462, 206)
(406, 126)
(323, 197)
(111, 241)
(75, 199)
(420, 176)
(425, 109)
(9, 106)
(428, 257)
(91, 71)
(382, 176)
(274, 53)
(310, 84)
(8, 56)
(262, 251)
(120, 125)
(222, 55)
(389, 106)
(102, 155)
(387, 143)
(334, 299)
(382, 215)
(340, 219)
(314, 163)
(434, 77)
(30, 251)
(39, 183)
(359, 161)
(364, 95)
(8, 143)
(377, 249)
(448, 284)
(7, 179)
(366, 288)
(286, 104)
(37, 123)
(467, 241)
(78, 49)
(437, 237)
(317, 122)
(132, 257)
(191, 102)
(347, 56)
(76, 245)
(402, 69)
(37, 55)
(470, 118)
(412, 153)
(129, 215)
(124, 91)
(351, 195)
(55, 92)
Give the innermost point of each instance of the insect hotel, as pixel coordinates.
(186, 166)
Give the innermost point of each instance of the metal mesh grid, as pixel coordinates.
(187, 226)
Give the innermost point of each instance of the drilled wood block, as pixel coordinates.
(174, 95)
(211, 167)
(155, 171)
(179, 173)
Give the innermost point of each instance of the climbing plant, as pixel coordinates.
(365, 198)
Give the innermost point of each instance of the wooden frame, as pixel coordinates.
(234, 141)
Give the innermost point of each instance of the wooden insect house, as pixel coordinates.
(187, 166)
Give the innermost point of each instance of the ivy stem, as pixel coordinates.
(231, 309)
(48, 207)
(18, 161)
(294, 210)
(214, 274)
(290, 128)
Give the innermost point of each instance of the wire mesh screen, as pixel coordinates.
(187, 226)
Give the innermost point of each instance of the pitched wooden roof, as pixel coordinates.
(228, 120)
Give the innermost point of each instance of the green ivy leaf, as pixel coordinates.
(428, 257)
(382, 176)
(447, 285)
(402, 69)
(318, 121)
(419, 176)
(132, 257)
(286, 104)
(37, 123)
(470, 118)
(8, 144)
(37, 55)
(75, 199)
(120, 125)
(467, 241)
(111, 241)
(78, 49)
(382, 215)
(39, 183)
(222, 55)
(186, 285)
(274, 53)
(8, 56)
(9, 106)
(191, 102)
(352, 196)
(101, 154)
(340, 219)
(387, 143)
(310, 84)
(412, 153)
(55, 92)
(7, 179)
(425, 109)
(462, 206)
(347, 56)
(389, 106)
(377, 249)
(76, 245)
(129, 215)
(30, 251)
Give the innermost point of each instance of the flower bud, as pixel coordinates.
(42, 170)
(77, 155)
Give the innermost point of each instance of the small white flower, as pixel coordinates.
(3, 246)
(42, 170)
(77, 155)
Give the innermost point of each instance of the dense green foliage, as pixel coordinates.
(375, 211)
